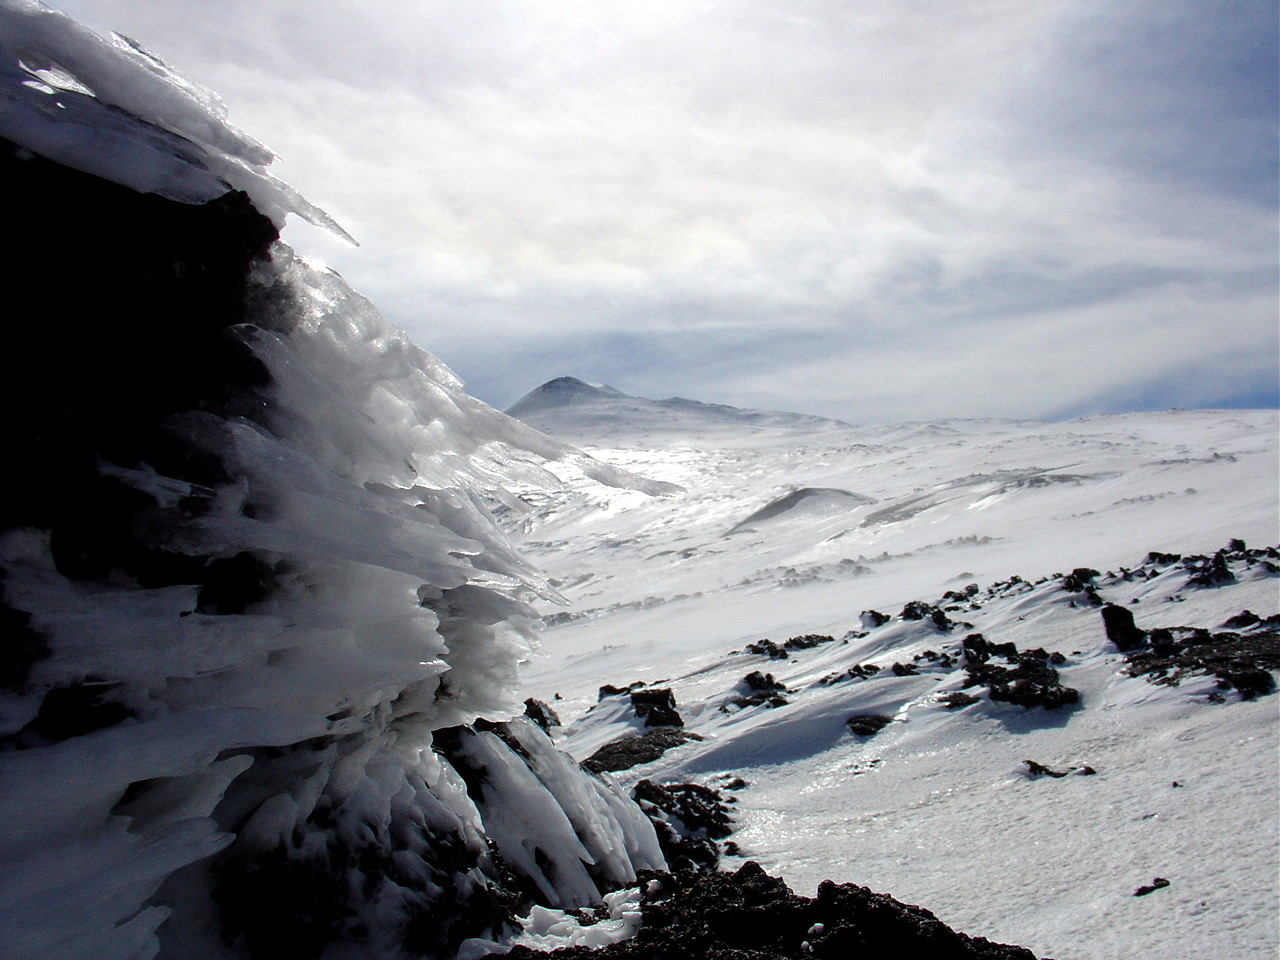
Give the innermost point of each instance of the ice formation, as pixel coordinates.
(249, 569)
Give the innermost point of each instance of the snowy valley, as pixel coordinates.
(306, 654)
(754, 597)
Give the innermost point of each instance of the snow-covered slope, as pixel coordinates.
(795, 528)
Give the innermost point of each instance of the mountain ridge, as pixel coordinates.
(571, 407)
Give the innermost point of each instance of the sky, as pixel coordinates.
(874, 210)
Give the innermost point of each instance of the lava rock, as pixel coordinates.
(807, 641)
(868, 724)
(1245, 662)
(1120, 628)
(758, 681)
(1245, 618)
(541, 713)
(749, 915)
(656, 707)
(1029, 680)
(1079, 579)
(689, 819)
(766, 648)
(918, 610)
(628, 752)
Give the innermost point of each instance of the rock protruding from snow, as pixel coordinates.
(749, 915)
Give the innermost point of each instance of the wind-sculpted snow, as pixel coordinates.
(962, 631)
(114, 109)
(249, 566)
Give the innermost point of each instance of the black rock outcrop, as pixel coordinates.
(749, 915)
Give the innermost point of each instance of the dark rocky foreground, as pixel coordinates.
(749, 915)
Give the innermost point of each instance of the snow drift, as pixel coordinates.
(250, 575)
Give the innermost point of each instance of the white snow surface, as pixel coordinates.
(937, 809)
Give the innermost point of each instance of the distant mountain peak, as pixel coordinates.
(562, 391)
(567, 406)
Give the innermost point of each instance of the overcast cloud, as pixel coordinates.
(867, 209)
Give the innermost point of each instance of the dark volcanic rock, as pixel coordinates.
(757, 681)
(627, 752)
(656, 707)
(1121, 630)
(868, 724)
(808, 641)
(918, 610)
(749, 915)
(1242, 660)
(1039, 769)
(1029, 679)
(1210, 571)
(1245, 618)
(766, 648)
(764, 691)
(541, 713)
(859, 671)
(689, 819)
(1079, 579)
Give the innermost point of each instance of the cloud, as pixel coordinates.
(798, 204)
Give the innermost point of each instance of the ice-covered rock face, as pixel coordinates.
(248, 565)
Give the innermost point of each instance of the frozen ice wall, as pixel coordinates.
(253, 601)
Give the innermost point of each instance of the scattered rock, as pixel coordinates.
(766, 648)
(1079, 579)
(1245, 618)
(808, 641)
(1158, 883)
(868, 724)
(1038, 769)
(1121, 630)
(627, 752)
(656, 707)
(1029, 681)
(871, 619)
(977, 649)
(765, 690)
(609, 690)
(541, 713)
(956, 700)
(748, 915)
(918, 610)
(1243, 661)
(689, 819)
(758, 681)
(859, 671)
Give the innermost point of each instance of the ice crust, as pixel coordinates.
(114, 109)
(400, 609)
(304, 723)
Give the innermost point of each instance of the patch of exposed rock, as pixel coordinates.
(749, 915)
